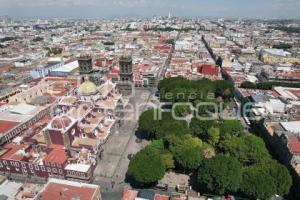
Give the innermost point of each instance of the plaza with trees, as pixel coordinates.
(218, 153)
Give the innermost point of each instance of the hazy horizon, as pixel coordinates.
(148, 8)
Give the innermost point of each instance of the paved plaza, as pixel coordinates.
(111, 169)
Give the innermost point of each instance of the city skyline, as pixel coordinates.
(146, 8)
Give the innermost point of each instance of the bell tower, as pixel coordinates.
(86, 70)
(126, 73)
(125, 85)
(85, 65)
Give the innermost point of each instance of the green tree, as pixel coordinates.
(219, 174)
(282, 46)
(182, 90)
(146, 167)
(248, 150)
(188, 152)
(156, 128)
(182, 110)
(200, 127)
(157, 145)
(223, 88)
(148, 123)
(167, 159)
(38, 39)
(172, 127)
(231, 128)
(166, 156)
(213, 136)
(170, 41)
(257, 183)
(248, 85)
(280, 174)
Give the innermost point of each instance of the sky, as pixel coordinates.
(148, 8)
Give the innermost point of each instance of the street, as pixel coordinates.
(111, 170)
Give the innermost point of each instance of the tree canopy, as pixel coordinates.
(160, 128)
(182, 90)
(282, 46)
(280, 174)
(220, 174)
(231, 128)
(188, 152)
(220, 154)
(213, 136)
(146, 167)
(248, 150)
(269, 85)
(200, 127)
(257, 183)
(148, 123)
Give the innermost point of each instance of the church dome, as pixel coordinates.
(61, 122)
(87, 88)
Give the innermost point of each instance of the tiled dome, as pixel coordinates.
(61, 122)
(87, 88)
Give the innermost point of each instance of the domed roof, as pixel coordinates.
(87, 87)
(61, 122)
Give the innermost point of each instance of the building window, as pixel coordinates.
(4, 162)
(17, 164)
(60, 171)
(36, 167)
(23, 165)
(43, 168)
(12, 163)
(48, 169)
(54, 170)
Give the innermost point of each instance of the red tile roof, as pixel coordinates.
(7, 125)
(12, 150)
(211, 70)
(295, 92)
(57, 155)
(129, 194)
(161, 197)
(294, 144)
(67, 192)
